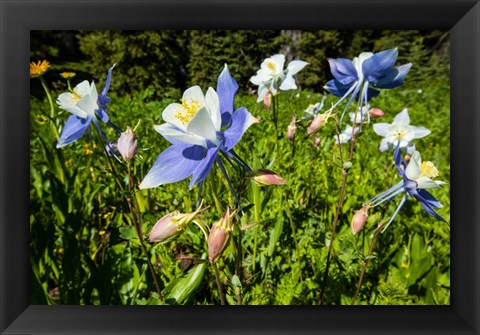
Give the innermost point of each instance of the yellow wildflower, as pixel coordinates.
(39, 68)
(67, 75)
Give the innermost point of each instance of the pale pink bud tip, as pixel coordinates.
(127, 144)
(359, 219)
(266, 177)
(171, 225)
(267, 100)
(219, 235)
(291, 129)
(376, 113)
(165, 228)
(318, 122)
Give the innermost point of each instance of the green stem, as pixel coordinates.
(135, 210)
(340, 201)
(219, 284)
(52, 107)
(365, 261)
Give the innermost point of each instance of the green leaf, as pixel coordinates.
(180, 289)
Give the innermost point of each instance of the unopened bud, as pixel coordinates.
(317, 141)
(219, 236)
(291, 129)
(376, 113)
(359, 219)
(171, 225)
(127, 144)
(266, 177)
(318, 122)
(267, 100)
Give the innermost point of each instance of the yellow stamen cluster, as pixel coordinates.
(399, 134)
(271, 66)
(67, 75)
(75, 97)
(190, 108)
(39, 68)
(428, 170)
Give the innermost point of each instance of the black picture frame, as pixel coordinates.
(18, 17)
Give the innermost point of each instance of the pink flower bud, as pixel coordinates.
(359, 219)
(376, 113)
(291, 129)
(318, 122)
(219, 236)
(165, 228)
(317, 141)
(127, 144)
(267, 100)
(170, 225)
(266, 177)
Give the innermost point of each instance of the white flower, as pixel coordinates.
(399, 131)
(81, 101)
(422, 172)
(195, 121)
(272, 77)
(345, 135)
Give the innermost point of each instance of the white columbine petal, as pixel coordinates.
(213, 105)
(413, 168)
(419, 132)
(202, 125)
(402, 118)
(295, 66)
(170, 132)
(171, 115)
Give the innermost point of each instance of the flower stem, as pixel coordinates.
(365, 261)
(340, 201)
(138, 225)
(219, 284)
(52, 107)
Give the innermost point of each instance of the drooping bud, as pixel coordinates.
(318, 122)
(291, 129)
(171, 225)
(127, 144)
(265, 177)
(317, 141)
(376, 113)
(219, 236)
(267, 100)
(359, 219)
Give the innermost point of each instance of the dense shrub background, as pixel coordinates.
(168, 61)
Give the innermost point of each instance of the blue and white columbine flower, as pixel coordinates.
(417, 177)
(399, 132)
(86, 106)
(368, 69)
(272, 77)
(199, 128)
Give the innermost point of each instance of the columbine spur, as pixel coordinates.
(368, 69)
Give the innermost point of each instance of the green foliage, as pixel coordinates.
(85, 248)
